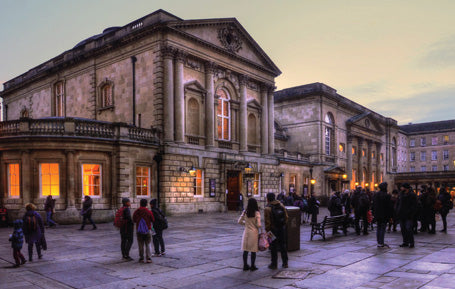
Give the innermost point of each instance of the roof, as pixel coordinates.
(115, 36)
(429, 127)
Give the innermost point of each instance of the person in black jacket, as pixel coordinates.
(86, 212)
(361, 204)
(444, 197)
(382, 211)
(335, 208)
(313, 205)
(127, 230)
(406, 210)
(159, 225)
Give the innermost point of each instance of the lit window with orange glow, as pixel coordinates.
(142, 181)
(49, 179)
(91, 180)
(341, 147)
(363, 152)
(13, 181)
(257, 185)
(223, 115)
(198, 182)
(353, 150)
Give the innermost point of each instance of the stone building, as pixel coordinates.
(179, 110)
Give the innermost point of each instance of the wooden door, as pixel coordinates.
(233, 187)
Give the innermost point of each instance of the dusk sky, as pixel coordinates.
(394, 57)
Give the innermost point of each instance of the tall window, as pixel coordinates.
(434, 155)
(193, 114)
(434, 141)
(434, 168)
(423, 141)
(412, 156)
(445, 154)
(13, 181)
(49, 179)
(223, 115)
(252, 136)
(445, 168)
(59, 99)
(412, 142)
(423, 168)
(353, 150)
(142, 181)
(328, 133)
(446, 139)
(412, 169)
(198, 182)
(423, 156)
(292, 183)
(91, 180)
(257, 184)
(106, 96)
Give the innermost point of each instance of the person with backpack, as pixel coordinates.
(335, 208)
(33, 230)
(49, 207)
(276, 218)
(251, 219)
(144, 220)
(86, 212)
(17, 240)
(447, 205)
(159, 225)
(124, 222)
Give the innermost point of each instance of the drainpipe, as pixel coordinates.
(158, 158)
(133, 61)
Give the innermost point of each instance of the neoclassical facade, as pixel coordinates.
(179, 110)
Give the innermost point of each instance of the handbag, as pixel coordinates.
(43, 242)
(263, 242)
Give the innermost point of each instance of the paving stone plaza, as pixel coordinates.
(203, 251)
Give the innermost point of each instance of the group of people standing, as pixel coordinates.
(404, 207)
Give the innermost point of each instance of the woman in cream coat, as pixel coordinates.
(251, 218)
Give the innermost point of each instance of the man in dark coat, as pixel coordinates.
(313, 207)
(49, 207)
(127, 230)
(406, 210)
(445, 199)
(159, 225)
(335, 208)
(33, 230)
(361, 204)
(86, 212)
(382, 211)
(275, 218)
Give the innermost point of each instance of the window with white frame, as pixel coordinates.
(434, 141)
(257, 184)
(143, 181)
(13, 181)
(328, 140)
(434, 155)
(423, 141)
(412, 156)
(445, 154)
(91, 180)
(198, 182)
(49, 179)
(223, 115)
(423, 156)
(412, 142)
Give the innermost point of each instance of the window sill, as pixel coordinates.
(101, 109)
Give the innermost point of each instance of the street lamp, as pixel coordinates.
(345, 176)
(313, 181)
(356, 184)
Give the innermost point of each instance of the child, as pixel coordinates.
(17, 239)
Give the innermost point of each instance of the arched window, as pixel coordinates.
(364, 177)
(192, 123)
(223, 115)
(106, 99)
(328, 133)
(25, 113)
(59, 95)
(252, 136)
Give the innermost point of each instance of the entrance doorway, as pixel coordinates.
(233, 187)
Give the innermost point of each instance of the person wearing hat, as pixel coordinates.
(406, 210)
(127, 230)
(382, 211)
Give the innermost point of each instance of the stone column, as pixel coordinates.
(70, 180)
(243, 115)
(168, 93)
(179, 101)
(369, 162)
(210, 105)
(349, 157)
(378, 161)
(26, 178)
(359, 160)
(264, 121)
(271, 118)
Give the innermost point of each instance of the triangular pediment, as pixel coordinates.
(228, 36)
(366, 122)
(254, 103)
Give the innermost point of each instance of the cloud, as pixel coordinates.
(370, 88)
(440, 54)
(428, 106)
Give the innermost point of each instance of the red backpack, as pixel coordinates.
(119, 221)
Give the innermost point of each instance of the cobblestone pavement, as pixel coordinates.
(203, 251)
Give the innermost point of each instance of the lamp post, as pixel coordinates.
(312, 181)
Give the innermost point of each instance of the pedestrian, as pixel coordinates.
(382, 212)
(289, 199)
(251, 218)
(33, 230)
(406, 210)
(144, 219)
(86, 212)
(346, 202)
(49, 207)
(313, 205)
(447, 205)
(276, 218)
(430, 212)
(126, 229)
(159, 225)
(281, 196)
(335, 208)
(17, 240)
(361, 204)
(393, 222)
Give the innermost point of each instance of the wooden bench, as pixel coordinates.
(329, 222)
